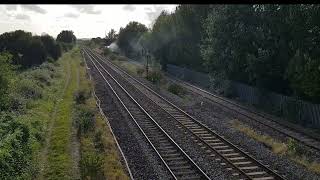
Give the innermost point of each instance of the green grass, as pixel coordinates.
(59, 159)
(291, 148)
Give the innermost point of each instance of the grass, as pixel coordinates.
(291, 148)
(59, 159)
(100, 158)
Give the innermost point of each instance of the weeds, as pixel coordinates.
(176, 89)
(154, 77)
(291, 148)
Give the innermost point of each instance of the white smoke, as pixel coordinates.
(114, 47)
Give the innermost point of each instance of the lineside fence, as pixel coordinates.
(289, 108)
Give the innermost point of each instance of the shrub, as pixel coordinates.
(81, 96)
(91, 164)
(113, 57)
(85, 117)
(154, 76)
(28, 88)
(176, 89)
(140, 71)
(106, 51)
(43, 76)
(294, 148)
(15, 147)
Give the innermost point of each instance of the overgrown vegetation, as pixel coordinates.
(273, 47)
(176, 89)
(28, 104)
(292, 149)
(99, 156)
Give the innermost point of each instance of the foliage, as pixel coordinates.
(92, 165)
(269, 46)
(85, 117)
(129, 36)
(66, 36)
(154, 76)
(6, 76)
(52, 48)
(176, 89)
(28, 50)
(15, 154)
(111, 37)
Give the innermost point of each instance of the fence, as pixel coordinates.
(292, 109)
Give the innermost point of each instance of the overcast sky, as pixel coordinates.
(86, 21)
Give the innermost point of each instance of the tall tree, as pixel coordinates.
(66, 36)
(129, 36)
(111, 37)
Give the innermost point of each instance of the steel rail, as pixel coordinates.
(276, 175)
(141, 108)
(311, 137)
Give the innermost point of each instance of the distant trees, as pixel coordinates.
(27, 50)
(66, 36)
(129, 36)
(52, 48)
(111, 37)
(274, 47)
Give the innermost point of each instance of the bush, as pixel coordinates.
(81, 96)
(154, 76)
(106, 51)
(140, 71)
(28, 88)
(85, 117)
(15, 153)
(91, 165)
(294, 148)
(42, 76)
(176, 89)
(113, 57)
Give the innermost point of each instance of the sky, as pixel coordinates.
(86, 21)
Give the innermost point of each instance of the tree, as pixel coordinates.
(66, 36)
(111, 37)
(129, 36)
(27, 50)
(51, 46)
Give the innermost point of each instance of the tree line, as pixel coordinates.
(20, 50)
(28, 50)
(273, 47)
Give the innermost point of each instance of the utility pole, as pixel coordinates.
(145, 54)
(148, 64)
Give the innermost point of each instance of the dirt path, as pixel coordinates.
(44, 154)
(75, 144)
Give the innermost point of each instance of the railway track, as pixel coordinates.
(237, 161)
(178, 163)
(310, 140)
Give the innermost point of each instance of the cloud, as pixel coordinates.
(22, 17)
(129, 8)
(88, 9)
(11, 7)
(147, 9)
(153, 14)
(71, 15)
(34, 8)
